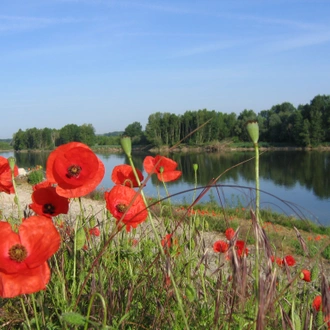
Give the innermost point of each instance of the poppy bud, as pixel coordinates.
(126, 144)
(305, 275)
(253, 130)
(12, 162)
(195, 167)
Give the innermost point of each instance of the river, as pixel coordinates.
(291, 182)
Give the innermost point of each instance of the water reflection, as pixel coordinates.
(301, 177)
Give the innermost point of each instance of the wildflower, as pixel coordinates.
(134, 242)
(123, 174)
(220, 246)
(6, 184)
(241, 249)
(164, 167)
(119, 202)
(305, 275)
(47, 202)
(230, 232)
(23, 255)
(94, 231)
(289, 260)
(317, 302)
(166, 241)
(278, 260)
(75, 168)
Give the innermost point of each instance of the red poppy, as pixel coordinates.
(75, 168)
(278, 260)
(119, 202)
(24, 255)
(317, 302)
(164, 167)
(94, 231)
(47, 202)
(123, 174)
(171, 244)
(220, 246)
(166, 241)
(305, 275)
(241, 249)
(6, 184)
(43, 184)
(289, 260)
(230, 232)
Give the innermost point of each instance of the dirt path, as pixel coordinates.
(10, 209)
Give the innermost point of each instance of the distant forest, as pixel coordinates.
(306, 125)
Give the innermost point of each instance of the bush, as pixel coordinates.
(35, 176)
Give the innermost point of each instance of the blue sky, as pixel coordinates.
(110, 63)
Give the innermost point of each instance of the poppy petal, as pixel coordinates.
(24, 282)
(8, 238)
(41, 239)
(118, 201)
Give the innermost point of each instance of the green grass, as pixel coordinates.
(124, 281)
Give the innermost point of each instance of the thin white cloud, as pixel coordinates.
(294, 42)
(21, 23)
(201, 49)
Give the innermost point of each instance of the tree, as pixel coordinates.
(69, 133)
(86, 134)
(242, 119)
(153, 129)
(133, 130)
(19, 140)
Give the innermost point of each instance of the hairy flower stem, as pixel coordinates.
(25, 313)
(35, 312)
(104, 306)
(16, 198)
(256, 149)
(161, 249)
(73, 288)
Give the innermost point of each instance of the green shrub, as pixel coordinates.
(35, 176)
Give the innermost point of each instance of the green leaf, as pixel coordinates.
(74, 318)
(296, 321)
(190, 293)
(80, 238)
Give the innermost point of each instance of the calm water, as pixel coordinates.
(293, 182)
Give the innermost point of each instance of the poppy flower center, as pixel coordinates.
(48, 209)
(121, 208)
(73, 171)
(17, 253)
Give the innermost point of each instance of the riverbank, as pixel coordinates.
(216, 147)
(279, 228)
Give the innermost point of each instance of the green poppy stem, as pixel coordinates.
(104, 306)
(256, 149)
(25, 313)
(73, 288)
(35, 312)
(11, 161)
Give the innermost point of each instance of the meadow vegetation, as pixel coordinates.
(151, 264)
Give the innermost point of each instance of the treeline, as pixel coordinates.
(48, 138)
(306, 125)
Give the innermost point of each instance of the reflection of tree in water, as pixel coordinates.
(31, 159)
(310, 169)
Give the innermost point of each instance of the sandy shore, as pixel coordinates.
(24, 191)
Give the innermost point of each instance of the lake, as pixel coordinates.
(291, 182)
